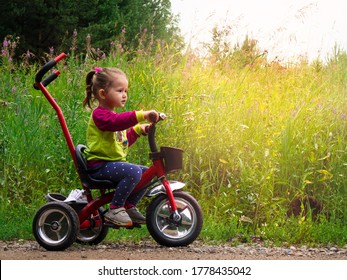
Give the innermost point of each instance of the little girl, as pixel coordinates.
(109, 135)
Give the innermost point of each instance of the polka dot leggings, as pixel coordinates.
(125, 176)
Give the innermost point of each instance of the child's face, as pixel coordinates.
(117, 95)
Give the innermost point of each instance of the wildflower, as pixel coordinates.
(5, 52)
(152, 40)
(88, 46)
(74, 41)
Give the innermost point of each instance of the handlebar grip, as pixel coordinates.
(49, 79)
(60, 57)
(48, 66)
(151, 139)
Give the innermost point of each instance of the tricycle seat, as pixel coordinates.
(84, 173)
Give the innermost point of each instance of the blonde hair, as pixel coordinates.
(101, 78)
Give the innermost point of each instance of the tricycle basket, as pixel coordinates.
(173, 158)
(57, 197)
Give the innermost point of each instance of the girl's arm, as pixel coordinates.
(107, 120)
(132, 135)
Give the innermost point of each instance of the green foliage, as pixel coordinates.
(226, 55)
(255, 138)
(40, 25)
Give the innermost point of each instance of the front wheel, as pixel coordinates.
(55, 226)
(162, 226)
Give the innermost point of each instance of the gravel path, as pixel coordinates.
(30, 250)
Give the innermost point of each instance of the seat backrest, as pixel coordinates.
(82, 164)
(82, 170)
(81, 161)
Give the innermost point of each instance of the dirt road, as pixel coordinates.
(148, 250)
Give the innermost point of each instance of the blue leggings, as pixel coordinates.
(125, 176)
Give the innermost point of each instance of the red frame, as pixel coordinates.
(157, 169)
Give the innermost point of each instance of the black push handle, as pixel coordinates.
(45, 68)
(151, 132)
(151, 139)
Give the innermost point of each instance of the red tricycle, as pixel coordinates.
(173, 217)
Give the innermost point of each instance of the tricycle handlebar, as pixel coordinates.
(151, 134)
(45, 68)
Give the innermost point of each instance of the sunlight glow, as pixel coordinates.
(287, 29)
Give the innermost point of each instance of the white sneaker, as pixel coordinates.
(118, 217)
(76, 195)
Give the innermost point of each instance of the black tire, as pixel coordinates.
(55, 226)
(96, 233)
(167, 232)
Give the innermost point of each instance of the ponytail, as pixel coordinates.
(90, 97)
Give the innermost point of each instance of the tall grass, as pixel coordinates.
(255, 138)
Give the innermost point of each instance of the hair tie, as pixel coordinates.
(97, 69)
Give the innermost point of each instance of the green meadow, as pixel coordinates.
(256, 137)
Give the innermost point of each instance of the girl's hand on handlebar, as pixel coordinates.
(144, 129)
(152, 116)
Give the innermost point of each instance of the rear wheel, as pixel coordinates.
(168, 232)
(55, 226)
(96, 231)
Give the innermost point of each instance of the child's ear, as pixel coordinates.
(102, 93)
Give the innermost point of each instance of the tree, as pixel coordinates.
(41, 24)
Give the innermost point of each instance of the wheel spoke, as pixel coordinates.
(164, 227)
(61, 219)
(164, 215)
(186, 217)
(58, 235)
(186, 223)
